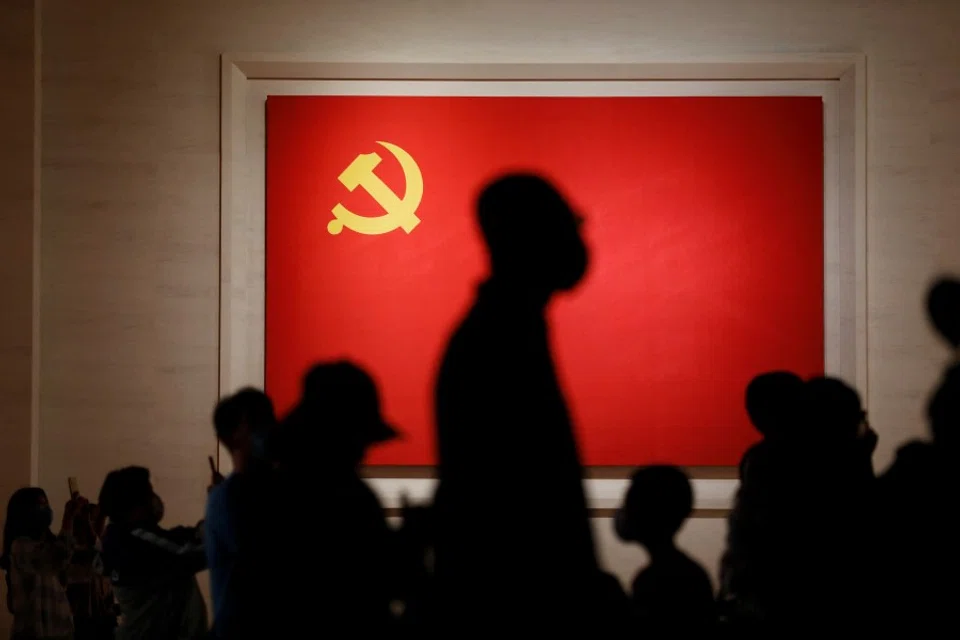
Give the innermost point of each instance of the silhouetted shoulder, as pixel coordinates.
(463, 341)
(915, 452)
(496, 362)
(701, 585)
(474, 345)
(755, 460)
(679, 591)
(912, 458)
(918, 477)
(495, 317)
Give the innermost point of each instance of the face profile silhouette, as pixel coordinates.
(943, 309)
(657, 503)
(532, 234)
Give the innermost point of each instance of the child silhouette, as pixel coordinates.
(673, 594)
(773, 402)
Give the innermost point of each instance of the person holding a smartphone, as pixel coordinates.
(88, 590)
(152, 569)
(34, 559)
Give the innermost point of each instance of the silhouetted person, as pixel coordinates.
(514, 545)
(773, 402)
(348, 558)
(917, 526)
(34, 560)
(243, 423)
(834, 414)
(89, 591)
(810, 567)
(672, 596)
(152, 569)
(918, 492)
(846, 485)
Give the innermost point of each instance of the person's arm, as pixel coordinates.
(177, 553)
(211, 524)
(6, 575)
(97, 563)
(58, 550)
(61, 550)
(184, 535)
(216, 541)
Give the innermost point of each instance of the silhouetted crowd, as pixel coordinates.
(298, 545)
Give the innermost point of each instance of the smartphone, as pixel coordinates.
(74, 487)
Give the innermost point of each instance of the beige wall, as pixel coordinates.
(130, 119)
(17, 101)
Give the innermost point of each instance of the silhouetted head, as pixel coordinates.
(243, 422)
(943, 308)
(532, 234)
(833, 410)
(127, 497)
(338, 414)
(772, 401)
(28, 516)
(943, 411)
(658, 502)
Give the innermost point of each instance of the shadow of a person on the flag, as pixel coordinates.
(514, 547)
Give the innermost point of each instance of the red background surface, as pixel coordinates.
(705, 217)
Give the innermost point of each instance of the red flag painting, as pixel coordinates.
(704, 216)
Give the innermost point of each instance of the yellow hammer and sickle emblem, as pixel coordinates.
(400, 212)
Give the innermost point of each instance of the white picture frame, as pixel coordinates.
(839, 79)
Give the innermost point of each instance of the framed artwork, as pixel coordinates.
(722, 223)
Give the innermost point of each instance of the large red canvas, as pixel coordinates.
(705, 220)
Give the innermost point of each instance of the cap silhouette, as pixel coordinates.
(340, 403)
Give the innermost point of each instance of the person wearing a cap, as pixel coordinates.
(339, 413)
(350, 560)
